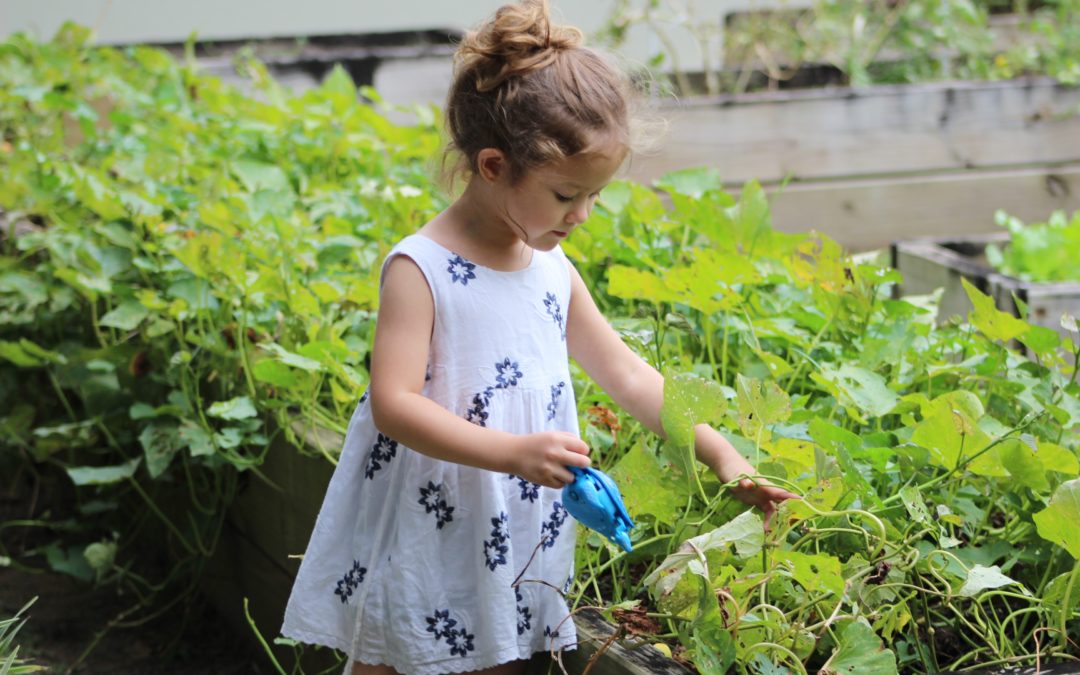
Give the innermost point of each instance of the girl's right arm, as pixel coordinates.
(398, 366)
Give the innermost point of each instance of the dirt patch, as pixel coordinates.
(68, 615)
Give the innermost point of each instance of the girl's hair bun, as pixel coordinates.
(518, 40)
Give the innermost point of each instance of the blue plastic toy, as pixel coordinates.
(594, 500)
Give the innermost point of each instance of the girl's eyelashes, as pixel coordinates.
(567, 199)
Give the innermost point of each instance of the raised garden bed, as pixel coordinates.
(941, 262)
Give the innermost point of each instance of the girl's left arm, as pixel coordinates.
(638, 388)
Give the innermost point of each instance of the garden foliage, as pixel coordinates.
(187, 270)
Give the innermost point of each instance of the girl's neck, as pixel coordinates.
(474, 227)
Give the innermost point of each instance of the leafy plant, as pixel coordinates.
(1044, 252)
(872, 42)
(186, 271)
(10, 663)
(932, 459)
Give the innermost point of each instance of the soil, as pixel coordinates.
(68, 614)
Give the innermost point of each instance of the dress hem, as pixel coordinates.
(428, 668)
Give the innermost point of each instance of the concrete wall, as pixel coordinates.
(127, 21)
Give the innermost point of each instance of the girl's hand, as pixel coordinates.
(762, 495)
(543, 457)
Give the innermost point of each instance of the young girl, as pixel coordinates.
(448, 486)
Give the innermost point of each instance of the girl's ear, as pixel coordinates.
(491, 164)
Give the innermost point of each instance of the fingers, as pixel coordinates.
(580, 461)
(575, 444)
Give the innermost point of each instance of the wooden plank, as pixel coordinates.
(266, 525)
(630, 656)
(872, 213)
(831, 133)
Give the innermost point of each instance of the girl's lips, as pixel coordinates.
(559, 234)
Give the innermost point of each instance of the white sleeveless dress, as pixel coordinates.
(412, 560)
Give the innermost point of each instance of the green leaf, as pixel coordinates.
(1041, 340)
(746, 532)
(690, 400)
(815, 573)
(198, 440)
(69, 561)
(981, 578)
(261, 176)
(860, 652)
(339, 82)
(1056, 589)
(126, 316)
(645, 487)
(29, 354)
(295, 360)
(275, 373)
(102, 475)
(1023, 465)
(1057, 522)
(713, 647)
(238, 408)
(842, 444)
(985, 316)
(690, 182)
(859, 389)
(630, 283)
(160, 443)
(761, 403)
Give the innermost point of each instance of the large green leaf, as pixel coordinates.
(981, 578)
(860, 652)
(689, 400)
(125, 316)
(1058, 521)
(994, 323)
(645, 487)
(761, 404)
(238, 408)
(102, 475)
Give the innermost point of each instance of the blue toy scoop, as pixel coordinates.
(594, 500)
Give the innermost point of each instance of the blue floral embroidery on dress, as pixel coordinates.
(550, 529)
(548, 633)
(461, 270)
(442, 627)
(461, 643)
(551, 304)
(568, 585)
(508, 374)
(364, 396)
(478, 413)
(431, 498)
(524, 616)
(529, 490)
(553, 407)
(495, 549)
(348, 583)
(384, 450)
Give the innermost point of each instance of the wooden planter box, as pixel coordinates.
(268, 524)
(928, 264)
(874, 165)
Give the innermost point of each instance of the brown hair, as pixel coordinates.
(530, 89)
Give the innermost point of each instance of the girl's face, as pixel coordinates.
(550, 202)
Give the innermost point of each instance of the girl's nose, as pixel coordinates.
(578, 214)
